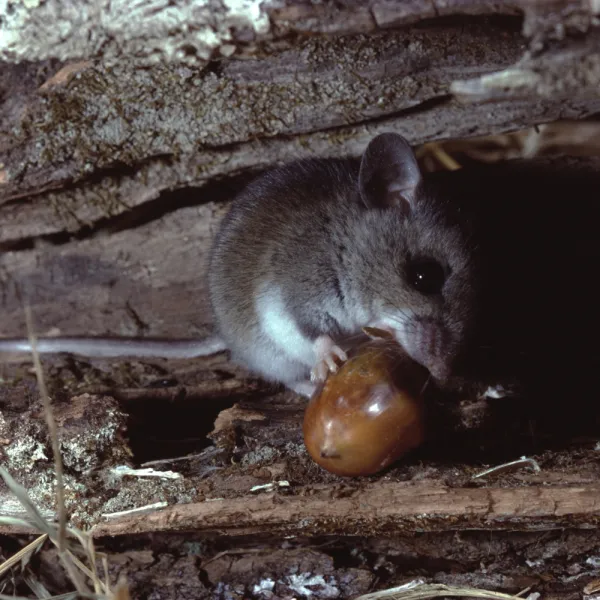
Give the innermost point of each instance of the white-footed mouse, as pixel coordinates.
(311, 253)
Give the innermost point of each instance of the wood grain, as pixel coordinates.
(377, 509)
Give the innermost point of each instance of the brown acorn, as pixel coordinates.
(369, 413)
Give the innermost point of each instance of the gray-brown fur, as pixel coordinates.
(338, 257)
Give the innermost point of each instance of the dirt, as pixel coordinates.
(554, 564)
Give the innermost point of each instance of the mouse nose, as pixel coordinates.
(430, 343)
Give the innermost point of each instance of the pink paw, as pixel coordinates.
(326, 352)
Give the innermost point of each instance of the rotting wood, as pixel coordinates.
(98, 207)
(194, 568)
(259, 442)
(172, 127)
(125, 116)
(377, 509)
(207, 389)
(147, 281)
(199, 33)
(446, 530)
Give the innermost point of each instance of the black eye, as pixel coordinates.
(426, 276)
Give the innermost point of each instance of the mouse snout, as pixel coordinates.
(430, 343)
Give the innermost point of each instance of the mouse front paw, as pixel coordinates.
(326, 352)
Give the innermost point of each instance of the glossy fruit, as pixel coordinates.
(368, 414)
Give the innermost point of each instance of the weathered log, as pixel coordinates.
(154, 33)
(378, 509)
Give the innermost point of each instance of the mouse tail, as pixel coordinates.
(117, 347)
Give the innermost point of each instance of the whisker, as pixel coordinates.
(351, 339)
(425, 385)
(384, 296)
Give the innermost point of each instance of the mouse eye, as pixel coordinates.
(426, 276)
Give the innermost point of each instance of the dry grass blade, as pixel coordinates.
(523, 591)
(74, 574)
(20, 492)
(37, 587)
(423, 591)
(27, 550)
(74, 595)
(121, 591)
(442, 156)
(59, 538)
(26, 559)
(91, 574)
(71, 595)
(87, 544)
(52, 429)
(16, 522)
(68, 596)
(99, 586)
(106, 577)
(509, 466)
(42, 525)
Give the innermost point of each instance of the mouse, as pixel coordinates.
(312, 252)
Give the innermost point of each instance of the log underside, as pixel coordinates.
(115, 171)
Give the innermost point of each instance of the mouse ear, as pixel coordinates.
(389, 173)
